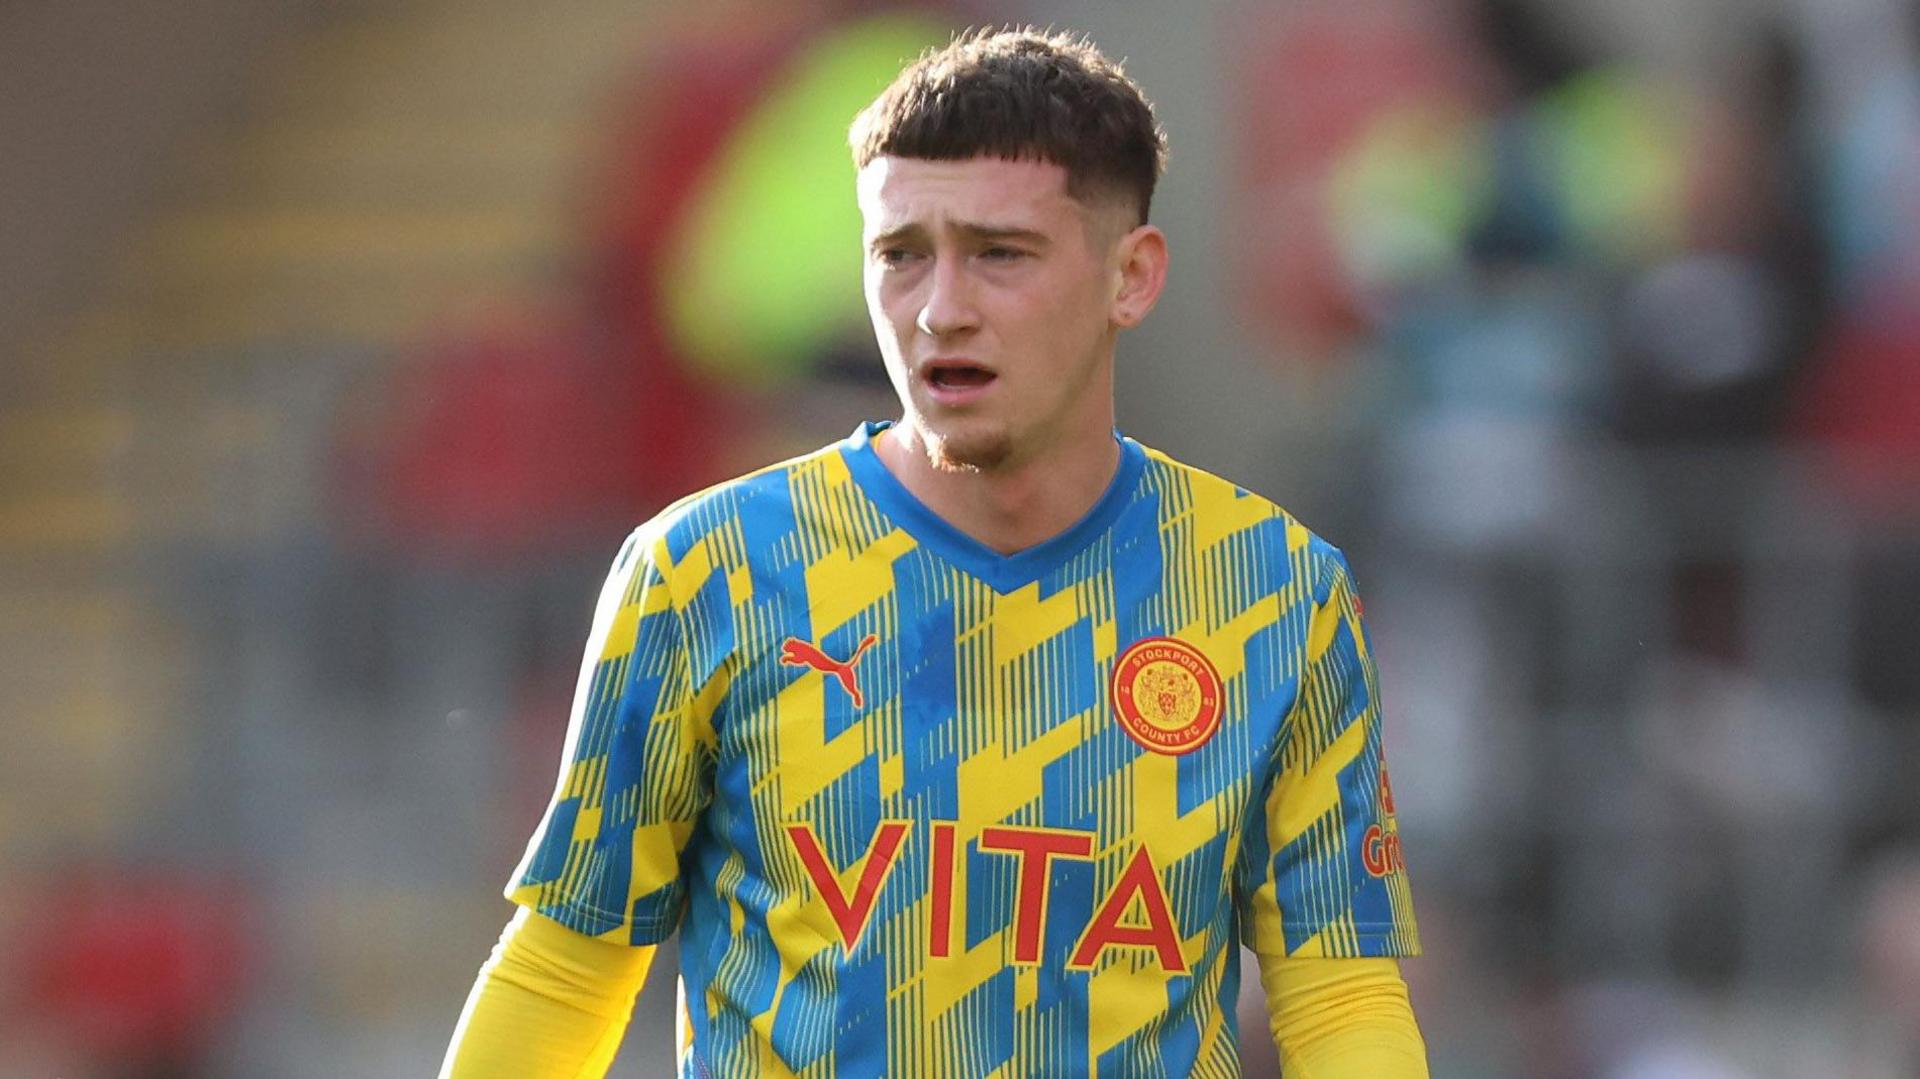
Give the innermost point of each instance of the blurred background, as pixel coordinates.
(341, 344)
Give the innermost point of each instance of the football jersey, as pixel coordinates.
(918, 808)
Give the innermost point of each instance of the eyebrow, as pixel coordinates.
(971, 230)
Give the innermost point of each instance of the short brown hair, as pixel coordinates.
(1023, 95)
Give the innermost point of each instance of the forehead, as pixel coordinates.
(897, 192)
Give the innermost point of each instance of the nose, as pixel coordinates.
(949, 307)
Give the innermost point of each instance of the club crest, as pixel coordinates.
(1166, 694)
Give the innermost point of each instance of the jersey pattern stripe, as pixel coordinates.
(921, 809)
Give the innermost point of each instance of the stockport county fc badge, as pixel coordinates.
(1167, 695)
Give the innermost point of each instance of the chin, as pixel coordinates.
(967, 451)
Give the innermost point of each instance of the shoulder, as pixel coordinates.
(682, 530)
(1223, 510)
(1202, 492)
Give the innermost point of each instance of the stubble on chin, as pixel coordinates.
(973, 453)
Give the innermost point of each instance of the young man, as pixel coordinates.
(978, 742)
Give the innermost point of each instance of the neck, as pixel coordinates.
(1011, 508)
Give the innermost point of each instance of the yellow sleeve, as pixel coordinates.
(550, 1003)
(1342, 1019)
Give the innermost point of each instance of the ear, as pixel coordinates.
(1142, 272)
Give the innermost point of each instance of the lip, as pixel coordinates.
(955, 396)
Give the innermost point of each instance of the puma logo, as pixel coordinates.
(795, 652)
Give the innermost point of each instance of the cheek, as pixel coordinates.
(1071, 318)
(890, 333)
(889, 304)
(879, 312)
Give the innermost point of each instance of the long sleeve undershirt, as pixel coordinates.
(552, 1003)
(1342, 1019)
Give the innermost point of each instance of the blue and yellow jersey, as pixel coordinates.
(921, 809)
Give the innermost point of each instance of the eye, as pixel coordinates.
(1000, 253)
(894, 258)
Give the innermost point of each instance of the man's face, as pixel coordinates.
(992, 294)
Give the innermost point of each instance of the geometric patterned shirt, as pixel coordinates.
(918, 808)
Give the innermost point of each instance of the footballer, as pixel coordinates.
(979, 741)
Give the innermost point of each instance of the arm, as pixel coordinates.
(1342, 1019)
(600, 883)
(1325, 902)
(549, 1002)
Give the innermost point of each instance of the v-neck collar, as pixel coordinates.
(1005, 572)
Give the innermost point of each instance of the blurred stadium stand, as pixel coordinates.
(344, 342)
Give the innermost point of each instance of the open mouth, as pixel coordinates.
(957, 375)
